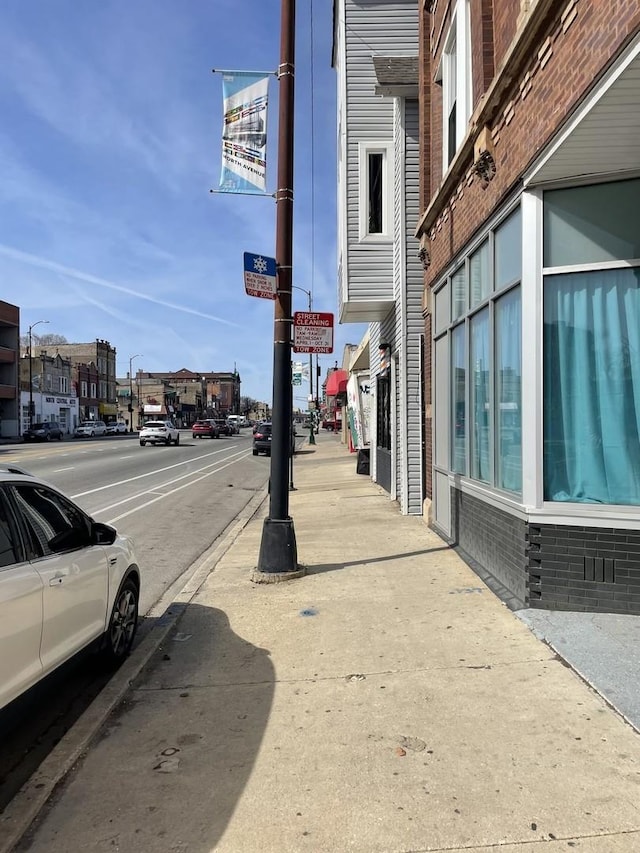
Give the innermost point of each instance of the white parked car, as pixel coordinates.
(87, 429)
(116, 428)
(65, 582)
(159, 432)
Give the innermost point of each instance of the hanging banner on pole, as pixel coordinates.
(244, 135)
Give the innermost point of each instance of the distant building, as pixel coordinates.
(101, 405)
(9, 357)
(52, 390)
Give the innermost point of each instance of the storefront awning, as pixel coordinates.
(336, 383)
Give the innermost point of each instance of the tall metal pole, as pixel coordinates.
(278, 557)
(31, 327)
(138, 355)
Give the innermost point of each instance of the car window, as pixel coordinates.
(53, 523)
(8, 536)
(154, 424)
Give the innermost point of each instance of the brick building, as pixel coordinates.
(9, 357)
(530, 238)
(101, 405)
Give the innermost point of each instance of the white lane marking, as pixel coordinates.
(58, 470)
(130, 456)
(149, 473)
(158, 486)
(164, 485)
(177, 489)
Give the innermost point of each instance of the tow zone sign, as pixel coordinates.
(312, 332)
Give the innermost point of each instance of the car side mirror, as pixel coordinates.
(103, 534)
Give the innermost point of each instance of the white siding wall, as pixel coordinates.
(380, 27)
(414, 325)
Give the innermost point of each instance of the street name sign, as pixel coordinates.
(260, 276)
(312, 332)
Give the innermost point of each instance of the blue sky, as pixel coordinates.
(109, 144)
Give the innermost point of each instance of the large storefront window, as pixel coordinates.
(508, 378)
(485, 357)
(592, 386)
(591, 356)
(480, 396)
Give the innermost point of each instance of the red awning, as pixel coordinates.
(336, 383)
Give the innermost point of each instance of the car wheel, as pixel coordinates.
(193, 436)
(142, 443)
(60, 437)
(91, 434)
(177, 440)
(167, 442)
(118, 637)
(255, 452)
(48, 438)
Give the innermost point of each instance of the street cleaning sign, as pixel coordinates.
(312, 332)
(260, 276)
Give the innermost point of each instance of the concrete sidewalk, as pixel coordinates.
(387, 701)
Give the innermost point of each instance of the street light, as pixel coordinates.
(312, 438)
(138, 355)
(32, 326)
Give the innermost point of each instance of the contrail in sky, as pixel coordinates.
(44, 263)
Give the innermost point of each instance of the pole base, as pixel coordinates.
(278, 552)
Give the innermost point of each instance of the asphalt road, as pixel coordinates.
(174, 502)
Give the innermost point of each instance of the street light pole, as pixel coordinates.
(138, 355)
(32, 326)
(278, 558)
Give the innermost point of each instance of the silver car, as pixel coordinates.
(87, 429)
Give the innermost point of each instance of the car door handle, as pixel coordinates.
(56, 581)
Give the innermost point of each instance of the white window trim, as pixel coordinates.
(460, 35)
(386, 149)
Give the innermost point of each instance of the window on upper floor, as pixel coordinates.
(83, 388)
(375, 196)
(63, 383)
(454, 74)
(93, 390)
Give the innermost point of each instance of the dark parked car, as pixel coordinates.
(262, 439)
(44, 431)
(205, 429)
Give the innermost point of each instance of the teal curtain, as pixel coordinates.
(592, 387)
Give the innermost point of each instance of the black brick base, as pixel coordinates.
(549, 566)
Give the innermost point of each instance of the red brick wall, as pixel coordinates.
(572, 53)
(505, 24)
(482, 46)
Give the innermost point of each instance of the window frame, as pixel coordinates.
(456, 62)
(463, 262)
(386, 150)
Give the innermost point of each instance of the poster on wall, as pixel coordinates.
(358, 409)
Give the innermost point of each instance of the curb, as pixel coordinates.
(24, 808)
